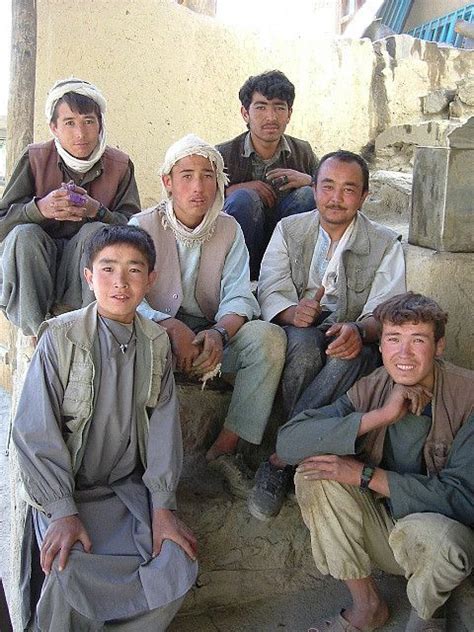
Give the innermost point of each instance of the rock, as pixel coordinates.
(437, 101)
(466, 91)
(394, 147)
(389, 199)
(457, 110)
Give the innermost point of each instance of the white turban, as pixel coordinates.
(62, 87)
(192, 145)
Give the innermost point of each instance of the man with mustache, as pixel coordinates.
(322, 275)
(269, 171)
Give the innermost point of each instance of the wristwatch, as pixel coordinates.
(224, 334)
(366, 476)
(100, 213)
(362, 331)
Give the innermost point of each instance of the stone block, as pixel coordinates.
(448, 278)
(442, 202)
(437, 101)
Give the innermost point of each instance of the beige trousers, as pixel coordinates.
(351, 532)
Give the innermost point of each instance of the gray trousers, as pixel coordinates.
(351, 531)
(37, 271)
(311, 379)
(54, 614)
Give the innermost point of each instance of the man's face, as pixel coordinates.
(77, 133)
(266, 118)
(338, 192)
(408, 352)
(193, 186)
(120, 279)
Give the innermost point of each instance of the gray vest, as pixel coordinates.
(360, 260)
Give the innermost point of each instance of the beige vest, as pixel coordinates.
(48, 176)
(166, 295)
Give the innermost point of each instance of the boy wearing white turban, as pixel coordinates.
(202, 297)
(61, 192)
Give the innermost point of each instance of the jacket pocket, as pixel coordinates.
(77, 399)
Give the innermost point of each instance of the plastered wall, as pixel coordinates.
(167, 71)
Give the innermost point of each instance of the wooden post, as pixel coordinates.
(20, 123)
(21, 99)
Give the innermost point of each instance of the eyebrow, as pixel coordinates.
(129, 262)
(396, 332)
(209, 170)
(351, 184)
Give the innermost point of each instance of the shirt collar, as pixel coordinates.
(249, 148)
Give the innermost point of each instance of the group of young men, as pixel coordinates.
(383, 462)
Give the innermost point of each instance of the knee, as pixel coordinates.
(266, 342)
(304, 347)
(304, 196)
(86, 231)
(244, 203)
(429, 536)
(25, 235)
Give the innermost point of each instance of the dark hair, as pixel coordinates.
(412, 308)
(117, 235)
(346, 156)
(273, 84)
(77, 103)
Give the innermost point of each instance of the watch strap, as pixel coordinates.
(223, 332)
(365, 478)
(101, 213)
(362, 331)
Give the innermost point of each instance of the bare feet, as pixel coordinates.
(226, 443)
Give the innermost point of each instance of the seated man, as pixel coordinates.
(202, 298)
(99, 444)
(386, 473)
(270, 172)
(61, 191)
(322, 275)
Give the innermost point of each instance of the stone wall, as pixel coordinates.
(167, 71)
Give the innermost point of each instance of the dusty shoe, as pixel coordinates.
(270, 489)
(237, 475)
(417, 624)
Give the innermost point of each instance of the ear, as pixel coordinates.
(440, 347)
(290, 112)
(167, 183)
(88, 277)
(245, 114)
(53, 127)
(152, 276)
(363, 198)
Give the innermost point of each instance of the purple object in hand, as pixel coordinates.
(77, 198)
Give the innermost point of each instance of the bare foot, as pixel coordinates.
(367, 618)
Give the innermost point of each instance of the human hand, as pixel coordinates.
(404, 399)
(209, 343)
(79, 196)
(330, 467)
(182, 338)
(308, 310)
(288, 179)
(60, 537)
(264, 191)
(348, 343)
(167, 526)
(57, 205)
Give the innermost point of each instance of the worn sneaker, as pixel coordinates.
(271, 485)
(237, 475)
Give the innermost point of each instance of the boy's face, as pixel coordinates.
(192, 184)
(266, 118)
(120, 279)
(408, 352)
(77, 133)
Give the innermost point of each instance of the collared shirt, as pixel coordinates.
(389, 279)
(260, 167)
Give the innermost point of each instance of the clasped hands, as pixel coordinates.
(68, 203)
(196, 354)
